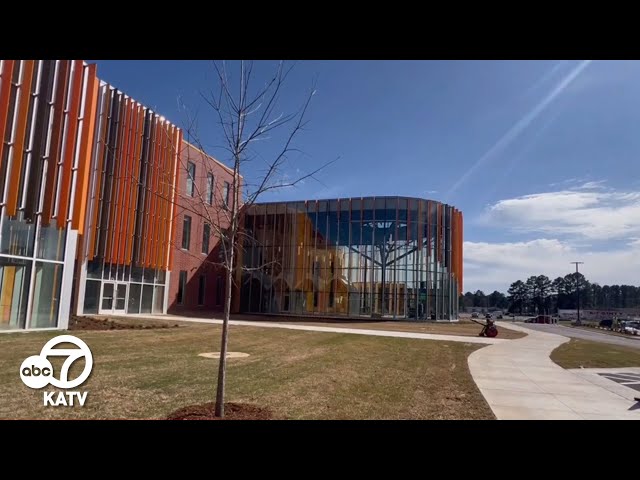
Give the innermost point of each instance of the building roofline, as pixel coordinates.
(230, 170)
(355, 198)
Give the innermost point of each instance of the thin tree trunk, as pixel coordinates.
(230, 253)
(222, 367)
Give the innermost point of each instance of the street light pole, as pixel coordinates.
(578, 290)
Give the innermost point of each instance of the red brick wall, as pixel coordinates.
(193, 261)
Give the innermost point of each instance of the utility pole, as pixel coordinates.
(578, 290)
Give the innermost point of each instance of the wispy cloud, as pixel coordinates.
(545, 78)
(592, 185)
(567, 182)
(587, 211)
(490, 266)
(521, 125)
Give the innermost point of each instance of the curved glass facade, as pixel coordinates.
(381, 257)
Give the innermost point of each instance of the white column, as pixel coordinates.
(167, 279)
(67, 279)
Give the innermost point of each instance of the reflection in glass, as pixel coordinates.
(17, 236)
(46, 295)
(147, 299)
(14, 291)
(91, 296)
(107, 296)
(94, 269)
(135, 291)
(51, 242)
(355, 257)
(158, 300)
(121, 296)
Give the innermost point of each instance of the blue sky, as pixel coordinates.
(540, 156)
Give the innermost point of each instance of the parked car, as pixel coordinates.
(499, 317)
(542, 319)
(474, 315)
(631, 328)
(608, 323)
(488, 316)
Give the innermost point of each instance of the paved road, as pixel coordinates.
(520, 382)
(584, 334)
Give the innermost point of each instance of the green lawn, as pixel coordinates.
(296, 374)
(583, 353)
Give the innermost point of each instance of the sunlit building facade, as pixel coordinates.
(87, 188)
(380, 257)
(101, 212)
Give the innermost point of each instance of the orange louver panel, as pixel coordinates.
(461, 247)
(121, 178)
(22, 111)
(428, 228)
(124, 219)
(56, 140)
(5, 93)
(153, 213)
(69, 144)
(151, 191)
(135, 179)
(115, 171)
(146, 206)
(175, 163)
(161, 200)
(166, 195)
(102, 138)
(86, 152)
(166, 141)
(162, 193)
(440, 234)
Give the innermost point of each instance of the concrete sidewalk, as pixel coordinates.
(520, 382)
(311, 328)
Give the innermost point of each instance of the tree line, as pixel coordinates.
(539, 294)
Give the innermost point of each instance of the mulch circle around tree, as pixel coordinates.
(232, 411)
(89, 323)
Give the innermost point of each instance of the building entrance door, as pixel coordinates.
(114, 297)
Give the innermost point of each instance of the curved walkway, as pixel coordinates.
(312, 328)
(520, 382)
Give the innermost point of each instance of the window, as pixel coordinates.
(225, 194)
(186, 232)
(191, 179)
(206, 233)
(219, 290)
(201, 286)
(210, 189)
(182, 286)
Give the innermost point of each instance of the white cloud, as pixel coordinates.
(575, 223)
(490, 266)
(585, 211)
(592, 185)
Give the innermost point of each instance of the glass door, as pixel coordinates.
(114, 298)
(106, 305)
(121, 298)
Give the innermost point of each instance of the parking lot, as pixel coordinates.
(631, 380)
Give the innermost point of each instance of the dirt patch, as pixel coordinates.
(229, 355)
(232, 411)
(90, 323)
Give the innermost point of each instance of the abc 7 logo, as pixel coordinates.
(37, 371)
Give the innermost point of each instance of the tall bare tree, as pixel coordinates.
(245, 116)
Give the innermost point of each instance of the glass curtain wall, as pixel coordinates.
(43, 107)
(385, 257)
